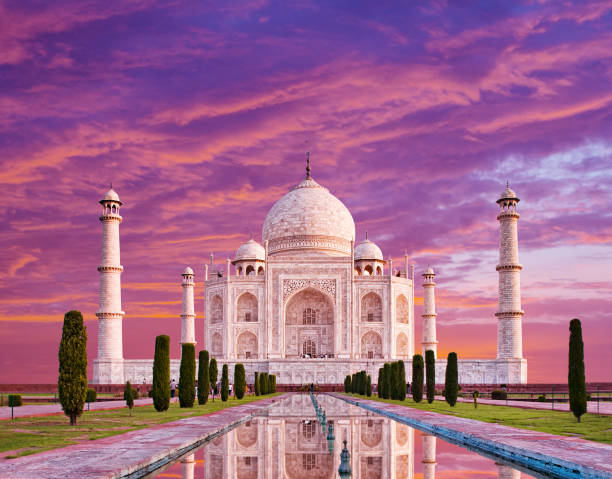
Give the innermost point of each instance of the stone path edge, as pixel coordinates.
(539, 462)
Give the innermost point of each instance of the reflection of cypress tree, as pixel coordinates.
(576, 376)
(203, 378)
(417, 377)
(430, 371)
(451, 382)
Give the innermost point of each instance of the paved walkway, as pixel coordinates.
(565, 456)
(51, 409)
(118, 456)
(604, 407)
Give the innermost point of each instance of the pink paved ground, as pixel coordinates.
(124, 454)
(50, 409)
(604, 407)
(586, 453)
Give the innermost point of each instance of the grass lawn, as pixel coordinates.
(593, 427)
(24, 436)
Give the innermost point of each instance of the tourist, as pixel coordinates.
(172, 388)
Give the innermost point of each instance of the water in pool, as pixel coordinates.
(292, 441)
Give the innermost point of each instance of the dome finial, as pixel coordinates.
(507, 184)
(111, 185)
(366, 235)
(308, 165)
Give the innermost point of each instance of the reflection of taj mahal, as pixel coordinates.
(288, 444)
(307, 304)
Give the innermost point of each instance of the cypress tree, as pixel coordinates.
(353, 383)
(203, 378)
(395, 381)
(368, 386)
(214, 374)
(160, 390)
(224, 383)
(256, 384)
(266, 383)
(379, 384)
(347, 384)
(417, 377)
(262, 383)
(576, 376)
(388, 381)
(451, 381)
(273, 383)
(72, 378)
(187, 375)
(401, 380)
(239, 381)
(430, 371)
(128, 395)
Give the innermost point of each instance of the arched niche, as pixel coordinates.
(401, 346)
(216, 344)
(246, 308)
(246, 345)
(216, 309)
(371, 308)
(371, 345)
(309, 319)
(402, 310)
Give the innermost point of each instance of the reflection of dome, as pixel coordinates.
(368, 250)
(188, 270)
(309, 217)
(251, 250)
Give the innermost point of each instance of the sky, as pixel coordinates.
(199, 113)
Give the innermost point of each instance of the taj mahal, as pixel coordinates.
(308, 304)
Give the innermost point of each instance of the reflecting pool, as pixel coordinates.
(301, 438)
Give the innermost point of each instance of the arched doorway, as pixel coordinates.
(309, 324)
(371, 345)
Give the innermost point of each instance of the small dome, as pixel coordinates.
(368, 250)
(429, 271)
(111, 195)
(188, 270)
(508, 194)
(251, 250)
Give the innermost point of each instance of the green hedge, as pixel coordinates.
(14, 400)
(498, 394)
(92, 395)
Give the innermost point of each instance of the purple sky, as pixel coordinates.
(200, 116)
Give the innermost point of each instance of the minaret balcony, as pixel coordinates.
(117, 269)
(508, 267)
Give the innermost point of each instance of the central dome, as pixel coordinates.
(309, 217)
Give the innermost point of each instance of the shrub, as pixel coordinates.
(72, 379)
(14, 400)
(380, 382)
(161, 373)
(575, 376)
(128, 396)
(203, 377)
(401, 380)
(451, 382)
(542, 398)
(417, 378)
(239, 380)
(187, 375)
(430, 371)
(347, 384)
(224, 383)
(214, 374)
(499, 394)
(388, 381)
(92, 395)
(256, 384)
(369, 386)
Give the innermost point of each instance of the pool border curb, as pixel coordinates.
(536, 461)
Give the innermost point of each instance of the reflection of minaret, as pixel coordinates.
(429, 456)
(429, 313)
(505, 472)
(188, 463)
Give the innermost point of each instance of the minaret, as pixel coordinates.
(429, 456)
(509, 313)
(188, 314)
(506, 472)
(188, 463)
(429, 313)
(108, 367)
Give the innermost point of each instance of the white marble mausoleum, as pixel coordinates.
(309, 303)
